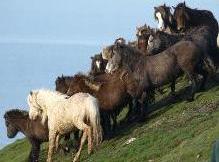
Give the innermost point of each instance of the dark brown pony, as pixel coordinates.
(201, 36)
(155, 71)
(110, 90)
(168, 23)
(98, 65)
(188, 18)
(18, 121)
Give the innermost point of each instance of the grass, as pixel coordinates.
(175, 131)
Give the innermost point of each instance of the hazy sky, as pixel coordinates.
(81, 21)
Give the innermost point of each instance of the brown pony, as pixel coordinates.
(155, 71)
(18, 121)
(110, 90)
(188, 18)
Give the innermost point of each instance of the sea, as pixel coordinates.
(28, 66)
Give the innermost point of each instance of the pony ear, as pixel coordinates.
(164, 4)
(62, 76)
(155, 8)
(184, 3)
(31, 93)
(91, 57)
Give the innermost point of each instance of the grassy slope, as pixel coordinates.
(179, 131)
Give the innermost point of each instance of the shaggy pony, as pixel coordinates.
(66, 114)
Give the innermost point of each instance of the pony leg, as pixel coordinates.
(83, 139)
(172, 87)
(57, 142)
(77, 138)
(36, 151)
(35, 148)
(113, 115)
(30, 155)
(128, 116)
(86, 133)
(204, 73)
(192, 78)
(52, 138)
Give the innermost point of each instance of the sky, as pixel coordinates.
(41, 39)
(82, 21)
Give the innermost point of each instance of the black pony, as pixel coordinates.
(187, 18)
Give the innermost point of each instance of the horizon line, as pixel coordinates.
(53, 41)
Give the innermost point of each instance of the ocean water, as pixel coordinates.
(27, 66)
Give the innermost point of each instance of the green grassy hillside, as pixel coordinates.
(176, 131)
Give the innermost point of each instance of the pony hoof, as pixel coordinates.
(90, 152)
(190, 99)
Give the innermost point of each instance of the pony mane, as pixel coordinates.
(51, 92)
(79, 77)
(87, 80)
(145, 27)
(97, 57)
(132, 49)
(62, 78)
(16, 113)
(183, 5)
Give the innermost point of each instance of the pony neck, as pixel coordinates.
(131, 63)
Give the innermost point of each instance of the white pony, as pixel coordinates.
(66, 114)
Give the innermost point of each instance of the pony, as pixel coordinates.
(65, 114)
(142, 34)
(110, 90)
(166, 21)
(201, 36)
(157, 70)
(61, 85)
(188, 18)
(98, 65)
(18, 121)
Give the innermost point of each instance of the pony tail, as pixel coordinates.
(94, 117)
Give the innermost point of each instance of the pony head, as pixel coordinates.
(181, 16)
(115, 59)
(163, 15)
(35, 108)
(155, 43)
(98, 64)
